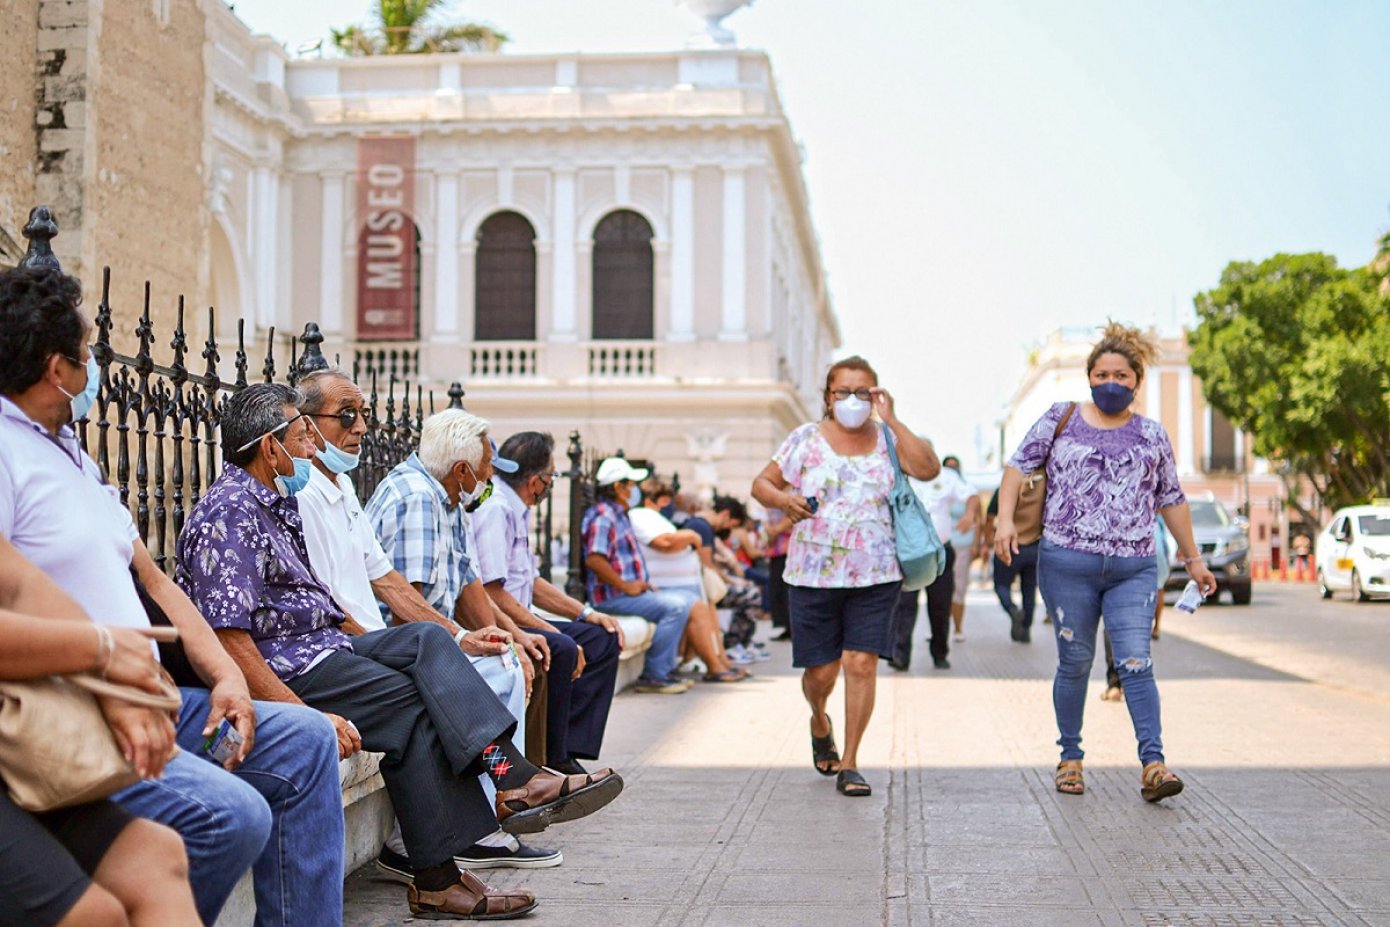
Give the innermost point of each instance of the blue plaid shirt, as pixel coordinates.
(608, 531)
(423, 534)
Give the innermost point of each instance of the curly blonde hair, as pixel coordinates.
(1134, 345)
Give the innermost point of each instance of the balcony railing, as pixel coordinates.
(506, 359)
(622, 359)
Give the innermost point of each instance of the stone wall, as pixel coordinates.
(17, 142)
(146, 211)
(103, 121)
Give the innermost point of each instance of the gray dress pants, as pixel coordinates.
(414, 696)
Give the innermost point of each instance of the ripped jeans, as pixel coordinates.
(1077, 588)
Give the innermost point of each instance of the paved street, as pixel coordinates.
(1277, 715)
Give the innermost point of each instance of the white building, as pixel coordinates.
(616, 243)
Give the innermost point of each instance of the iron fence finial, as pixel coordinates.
(312, 359)
(41, 229)
(456, 395)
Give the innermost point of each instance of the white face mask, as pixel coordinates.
(852, 412)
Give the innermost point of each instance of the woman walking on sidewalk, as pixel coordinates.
(832, 479)
(1109, 471)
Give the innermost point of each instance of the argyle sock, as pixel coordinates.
(506, 765)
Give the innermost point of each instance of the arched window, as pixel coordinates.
(504, 279)
(623, 276)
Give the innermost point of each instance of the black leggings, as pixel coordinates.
(47, 860)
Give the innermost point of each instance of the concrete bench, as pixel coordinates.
(367, 809)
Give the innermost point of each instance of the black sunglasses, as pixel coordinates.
(347, 418)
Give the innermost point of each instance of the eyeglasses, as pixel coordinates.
(863, 393)
(280, 427)
(346, 418)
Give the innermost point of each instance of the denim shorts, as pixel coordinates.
(827, 622)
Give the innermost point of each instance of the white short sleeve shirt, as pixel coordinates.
(57, 512)
(675, 568)
(938, 495)
(343, 548)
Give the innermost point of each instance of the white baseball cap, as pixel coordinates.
(615, 470)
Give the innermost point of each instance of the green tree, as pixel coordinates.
(413, 27)
(1296, 351)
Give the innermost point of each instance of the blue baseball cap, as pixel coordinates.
(500, 462)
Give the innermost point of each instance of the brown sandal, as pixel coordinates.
(470, 899)
(1068, 778)
(553, 798)
(1158, 782)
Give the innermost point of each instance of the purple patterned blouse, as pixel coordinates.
(1104, 485)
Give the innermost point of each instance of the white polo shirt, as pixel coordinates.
(938, 495)
(343, 548)
(56, 511)
(502, 542)
(670, 568)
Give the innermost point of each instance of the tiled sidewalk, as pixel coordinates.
(1285, 820)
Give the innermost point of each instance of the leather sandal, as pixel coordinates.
(1158, 782)
(849, 783)
(550, 797)
(824, 752)
(470, 899)
(1068, 778)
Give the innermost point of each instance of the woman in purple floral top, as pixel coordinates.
(1109, 472)
(832, 479)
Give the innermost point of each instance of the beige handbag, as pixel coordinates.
(56, 748)
(715, 587)
(1032, 495)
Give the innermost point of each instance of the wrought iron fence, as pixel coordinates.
(154, 428)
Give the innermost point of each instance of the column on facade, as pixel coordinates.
(331, 254)
(682, 325)
(564, 280)
(446, 256)
(734, 295)
(264, 245)
(1186, 464)
(1153, 393)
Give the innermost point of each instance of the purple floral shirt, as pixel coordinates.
(243, 562)
(1104, 486)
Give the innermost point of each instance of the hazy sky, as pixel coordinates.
(983, 171)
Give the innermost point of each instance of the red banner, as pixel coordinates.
(386, 239)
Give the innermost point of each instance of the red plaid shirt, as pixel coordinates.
(608, 531)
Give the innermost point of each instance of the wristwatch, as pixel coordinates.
(585, 612)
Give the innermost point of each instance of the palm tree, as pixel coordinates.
(410, 27)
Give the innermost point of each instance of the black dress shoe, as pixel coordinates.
(785, 635)
(1016, 628)
(1025, 636)
(941, 663)
(899, 665)
(570, 767)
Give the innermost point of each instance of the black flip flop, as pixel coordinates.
(823, 750)
(852, 785)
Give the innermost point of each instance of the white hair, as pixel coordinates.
(448, 437)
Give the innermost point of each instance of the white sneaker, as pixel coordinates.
(739, 656)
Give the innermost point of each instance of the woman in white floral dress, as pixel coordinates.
(832, 479)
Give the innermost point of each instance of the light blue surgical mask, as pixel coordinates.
(634, 497)
(303, 467)
(337, 459)
(82, 402)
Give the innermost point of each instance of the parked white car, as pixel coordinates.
(1354, 552)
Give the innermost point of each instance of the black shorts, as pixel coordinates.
(46, 860)
(827, 622)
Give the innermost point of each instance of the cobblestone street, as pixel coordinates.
(1284, 820)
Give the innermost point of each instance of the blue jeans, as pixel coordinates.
(669, 610)
(1078, 588)
(281, 813)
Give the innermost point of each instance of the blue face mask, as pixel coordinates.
(82, 402)
(1112, 398)
(634, 497)
(337, 459)
(289, 485)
